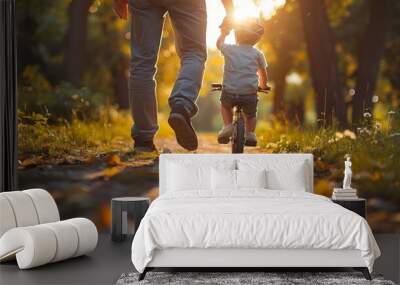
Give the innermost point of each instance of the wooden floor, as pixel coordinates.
(110, 260)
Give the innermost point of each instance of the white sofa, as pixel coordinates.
(31, 231)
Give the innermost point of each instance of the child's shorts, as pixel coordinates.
(248, 102)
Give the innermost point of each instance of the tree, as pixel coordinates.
(114, 41)
(74, 59)
(392, 57)
(371, 49)
(284, 64)
(40, 25)
(323, 62)
(120, 82)
(27, 45)
(284, 34)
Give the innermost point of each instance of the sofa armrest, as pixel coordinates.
(26, 208)
(41, 244)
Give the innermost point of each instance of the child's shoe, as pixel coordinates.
(251, 139)
(225, 134)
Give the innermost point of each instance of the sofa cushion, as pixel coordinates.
(67, 240)
(41, 244)
(7, 219)
(45, 206)
(26, 208)
(34, 244)
(23, 208)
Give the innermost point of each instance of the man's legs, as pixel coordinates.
(146, 30)
(189, 20)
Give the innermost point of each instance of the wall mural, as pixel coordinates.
(74, 120)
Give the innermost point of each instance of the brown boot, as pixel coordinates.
(182, 126)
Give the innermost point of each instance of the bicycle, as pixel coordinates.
(238, 136)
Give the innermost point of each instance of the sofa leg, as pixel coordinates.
(364, 271)
(143, 274)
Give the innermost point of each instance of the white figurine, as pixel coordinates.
(347, 174)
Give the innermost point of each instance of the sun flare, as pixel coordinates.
(243, 9)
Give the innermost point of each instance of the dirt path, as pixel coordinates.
(85, 188)
(207, 144)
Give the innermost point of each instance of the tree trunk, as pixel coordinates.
(322, 57)
(118, 64)
(296, 112)
(27, 45)
(76, 40)
(120, 82)
(371, 49)
(283, 64)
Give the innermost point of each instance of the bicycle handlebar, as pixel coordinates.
(219, 87)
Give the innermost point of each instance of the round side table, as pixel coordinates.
(127, 212)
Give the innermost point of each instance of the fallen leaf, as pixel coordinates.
(106, 173)
(29, 162)
(113, 160)
(110, 172)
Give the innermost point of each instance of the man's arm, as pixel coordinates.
(262, 78)
(227, 23)
(121, 8)
(228, 4)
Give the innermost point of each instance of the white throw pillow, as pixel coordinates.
(251, 179)
(188, 177)
(223, 179)
(294, 180)
(186, 174)
(281, 174)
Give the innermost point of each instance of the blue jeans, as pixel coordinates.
(189, 20)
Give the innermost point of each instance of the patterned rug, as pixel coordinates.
(243, 278)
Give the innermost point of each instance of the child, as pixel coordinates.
(244, 71)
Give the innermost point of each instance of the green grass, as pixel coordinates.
(109, 132)
(374, 150)
(37, 137)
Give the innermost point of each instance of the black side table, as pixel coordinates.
(127, 212)
(358, 205)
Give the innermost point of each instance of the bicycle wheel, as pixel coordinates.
(238, 136)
